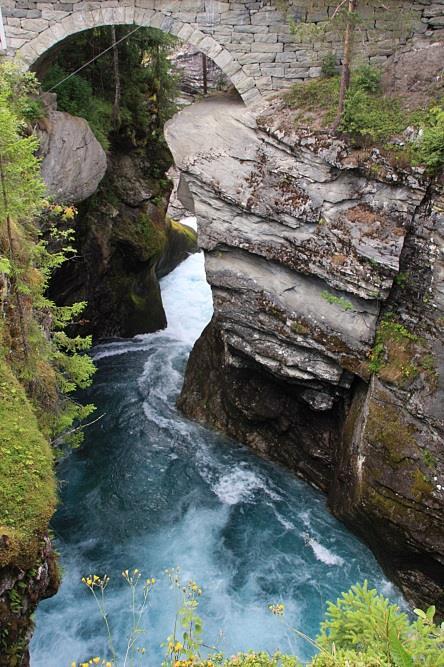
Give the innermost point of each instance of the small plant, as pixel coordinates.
(430, 147)
(367, 78)
(429, 459)
(402, 279)
(340, 301)
(97, 586)
(393, 352)
(329, 67)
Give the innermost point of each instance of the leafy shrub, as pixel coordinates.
(365, 622)
(314, 95)
(430, 148)
(372, 117)
(367, 78)
(329, 67)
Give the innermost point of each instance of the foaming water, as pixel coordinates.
(151, 490)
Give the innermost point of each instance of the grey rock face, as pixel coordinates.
(295, 244)
(73, 162)
(303, 241)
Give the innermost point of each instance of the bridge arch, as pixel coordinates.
(81, 20)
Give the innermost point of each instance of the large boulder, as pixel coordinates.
(73, 162)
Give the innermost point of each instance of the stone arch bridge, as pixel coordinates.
(250, 40)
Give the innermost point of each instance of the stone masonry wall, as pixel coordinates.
(250, 40)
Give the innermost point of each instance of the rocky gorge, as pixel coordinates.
(125, 241)
(325, 351)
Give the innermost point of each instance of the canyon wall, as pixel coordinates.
(325, 351)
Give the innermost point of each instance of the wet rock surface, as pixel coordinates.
(326, 347)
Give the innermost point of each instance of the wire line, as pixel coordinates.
(93, 59)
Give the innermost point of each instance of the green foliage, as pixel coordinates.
(392, 348)
(365, 622)
(430, 147)
(75, 96)
(368, 78)
(252, 659)
(372, 117)
(318, 94)
(148, 85)
(340, 301)
(329, 67)
(47, 362)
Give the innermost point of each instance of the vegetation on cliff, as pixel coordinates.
(40, 366)
(124, 240)
(130, 108)
(372, 117)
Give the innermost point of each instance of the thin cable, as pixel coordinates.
(95, 58)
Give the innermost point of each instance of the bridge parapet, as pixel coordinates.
(250, 40)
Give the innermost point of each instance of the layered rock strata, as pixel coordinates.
(326, 345)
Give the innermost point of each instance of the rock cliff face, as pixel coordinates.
(125, 244)
(20, 592)
(326, 345)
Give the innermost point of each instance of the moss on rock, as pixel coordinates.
(27, 481)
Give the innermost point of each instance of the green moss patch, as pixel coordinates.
(386, 428)
(188, 232)
(146, 235)
(27, 481)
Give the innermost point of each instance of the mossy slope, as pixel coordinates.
(27, 481)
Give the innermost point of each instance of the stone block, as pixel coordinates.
(261, 47)
(251, 58)
(252, 69)
(145, 4)
(16, 13)
(287, 56)
(34, 25)
(16, 43)
(256, 29)
(273, 70)
(252, 97)
(185, 32)
(264, 82)
(266, 38)
(186, 17)
(242, 37)
(51, 15)
(270, 17)
(235, 17)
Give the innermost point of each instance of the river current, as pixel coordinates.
(150, 490)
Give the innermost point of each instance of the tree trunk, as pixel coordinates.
(116, 105)
(345, 73)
